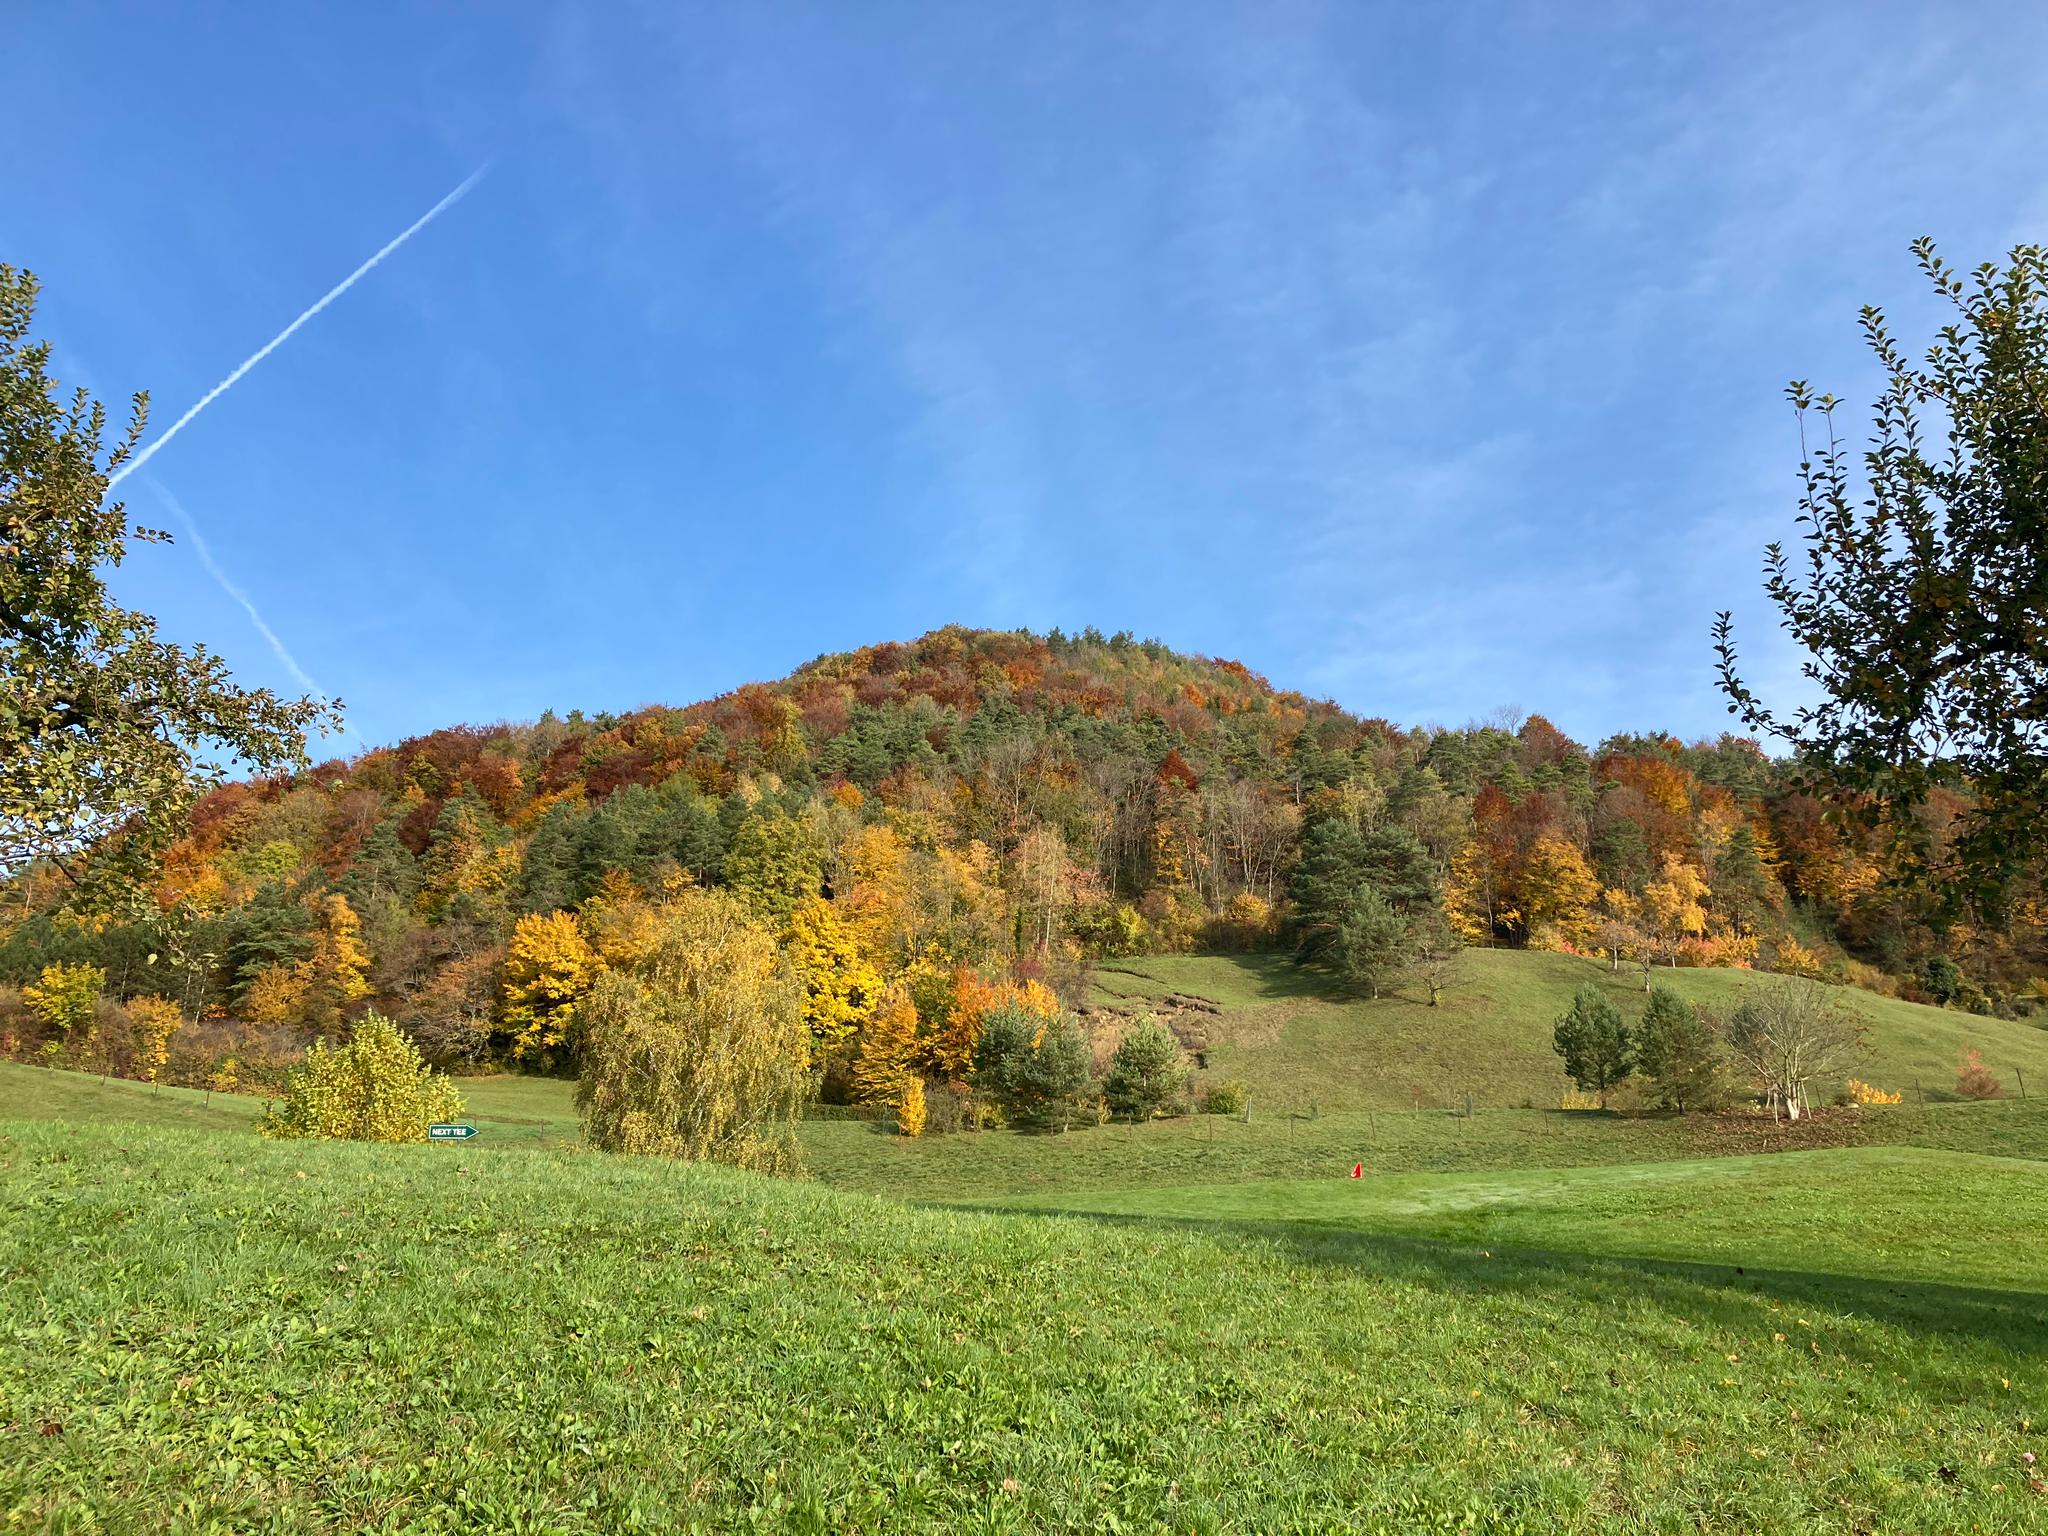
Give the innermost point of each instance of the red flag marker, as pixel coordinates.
(1358, 1170)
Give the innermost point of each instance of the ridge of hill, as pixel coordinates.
(992, 803)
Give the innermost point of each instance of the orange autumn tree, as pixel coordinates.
(950, 1051)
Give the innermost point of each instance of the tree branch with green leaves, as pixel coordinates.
(106, 732)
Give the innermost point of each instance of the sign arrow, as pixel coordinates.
(442, 1132)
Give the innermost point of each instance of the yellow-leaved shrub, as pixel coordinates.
(375, 1088)
(910, 1109)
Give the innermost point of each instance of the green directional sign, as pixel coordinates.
(444, 1132)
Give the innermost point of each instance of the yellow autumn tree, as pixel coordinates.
(1674, 906)
(336, 975)
(840, 987)
(154, 1021)
(699, 1052)
(1795, 959)
(910, 1109)
(549, 966)
(276, 995)
(1473, 899)
(879, 907)
(888, 1048)
(63, 998)
(1558, 892)
(622, 925)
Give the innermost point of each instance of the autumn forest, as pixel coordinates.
(974, 816)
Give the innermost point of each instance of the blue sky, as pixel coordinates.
(1425, 357)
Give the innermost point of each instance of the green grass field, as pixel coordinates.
(1294, 1043)
(1524, 1320)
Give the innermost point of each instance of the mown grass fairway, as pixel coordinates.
(206, 1331)
(1887, 1214)
(1524, 1320)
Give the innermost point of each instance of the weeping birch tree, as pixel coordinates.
(699, 1051)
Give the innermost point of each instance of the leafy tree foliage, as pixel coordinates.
(549, 968)
(700, 1052)
(1924, 578)
(104, 729)
(374, 1088)
(336, 975)
(63, 998)
(774, 863)
(840, 987)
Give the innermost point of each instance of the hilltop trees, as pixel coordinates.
(971, 819)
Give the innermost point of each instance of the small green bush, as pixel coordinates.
(1226, 1098)
(375, 1088)
(1147, 1073)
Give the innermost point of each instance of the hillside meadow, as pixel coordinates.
(1517, 1320)
(206, 1331)
(1295, 1042)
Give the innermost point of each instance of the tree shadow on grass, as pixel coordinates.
(1716, 1292)
(1265, 975)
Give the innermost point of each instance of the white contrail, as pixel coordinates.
(149, 450)
(227, 585)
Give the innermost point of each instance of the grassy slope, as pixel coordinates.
(517, 1113)
(1283, 1033)
(1208, 1150)
(200, 1331)
(1871, 1213)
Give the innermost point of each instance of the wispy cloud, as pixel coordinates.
(151, 449)
(227, 584)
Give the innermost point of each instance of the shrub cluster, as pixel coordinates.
(374, 1088)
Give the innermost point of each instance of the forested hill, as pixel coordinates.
(1003, 804)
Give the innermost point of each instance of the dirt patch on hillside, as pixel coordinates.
(1197, 1023)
